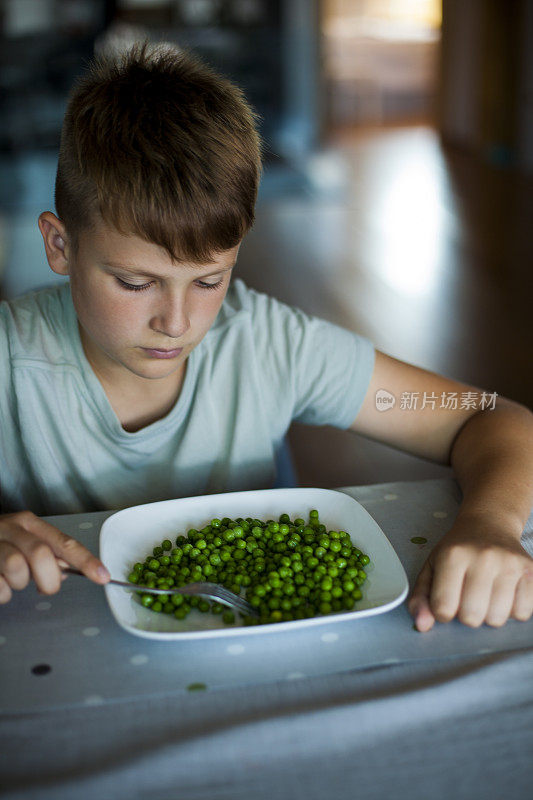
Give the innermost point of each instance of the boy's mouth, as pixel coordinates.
(152, 353)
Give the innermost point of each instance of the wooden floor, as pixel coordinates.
(426, 251)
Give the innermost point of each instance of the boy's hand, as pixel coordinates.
(32, 548)
(477, 573)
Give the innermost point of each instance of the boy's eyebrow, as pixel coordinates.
(134, 271)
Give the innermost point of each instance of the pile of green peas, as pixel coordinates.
(289, 569)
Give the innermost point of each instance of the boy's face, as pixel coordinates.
(138, 312)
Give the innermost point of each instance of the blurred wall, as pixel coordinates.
(380, 60)
(487, 79)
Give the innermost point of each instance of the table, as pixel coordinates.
(370, 707)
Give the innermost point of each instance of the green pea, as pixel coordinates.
(289, 570)
(147, 600)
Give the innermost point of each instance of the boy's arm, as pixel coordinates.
(478, 571)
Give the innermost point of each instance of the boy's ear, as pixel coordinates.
(55, 242)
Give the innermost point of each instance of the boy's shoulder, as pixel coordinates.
(34, 322)
(258, 307)
(239, 298)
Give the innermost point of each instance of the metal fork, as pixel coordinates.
(212, 590)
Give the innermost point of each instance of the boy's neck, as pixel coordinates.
(142, 403)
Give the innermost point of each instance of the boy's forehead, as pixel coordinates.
(111, 248)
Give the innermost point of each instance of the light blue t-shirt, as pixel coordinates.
(262, 365)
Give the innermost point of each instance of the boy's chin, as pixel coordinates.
(154, 369)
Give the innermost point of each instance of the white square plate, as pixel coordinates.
(129, 535)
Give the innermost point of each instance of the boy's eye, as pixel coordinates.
(204, 285)
(133, 287)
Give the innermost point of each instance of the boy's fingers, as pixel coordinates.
(501, 600)
(475, 600)
(523, 600)
(61, 563)
(13, 566)
(35, 532)
(422, 587)
(424, 619)
(418, 603)
(446, 589)
(5, 591)
(27, 548)
(78, 556)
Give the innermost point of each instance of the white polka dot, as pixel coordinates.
(91, 631)
(440, 514)
(44, 606)
(329, 637)
(139, 659)
(3, 640)
(94, 700)
(84, 526)
(391, 497)
(235, 649)
(293, 676)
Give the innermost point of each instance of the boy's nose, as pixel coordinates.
(172, 320)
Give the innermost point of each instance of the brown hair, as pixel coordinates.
(158, 145)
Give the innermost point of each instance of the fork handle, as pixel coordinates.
(126, 584)
(194, 590)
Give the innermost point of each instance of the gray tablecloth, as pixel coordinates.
(370, 707)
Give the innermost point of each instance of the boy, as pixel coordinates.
(148, 376)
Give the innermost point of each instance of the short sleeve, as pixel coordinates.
(312, 371)
(332, 367)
